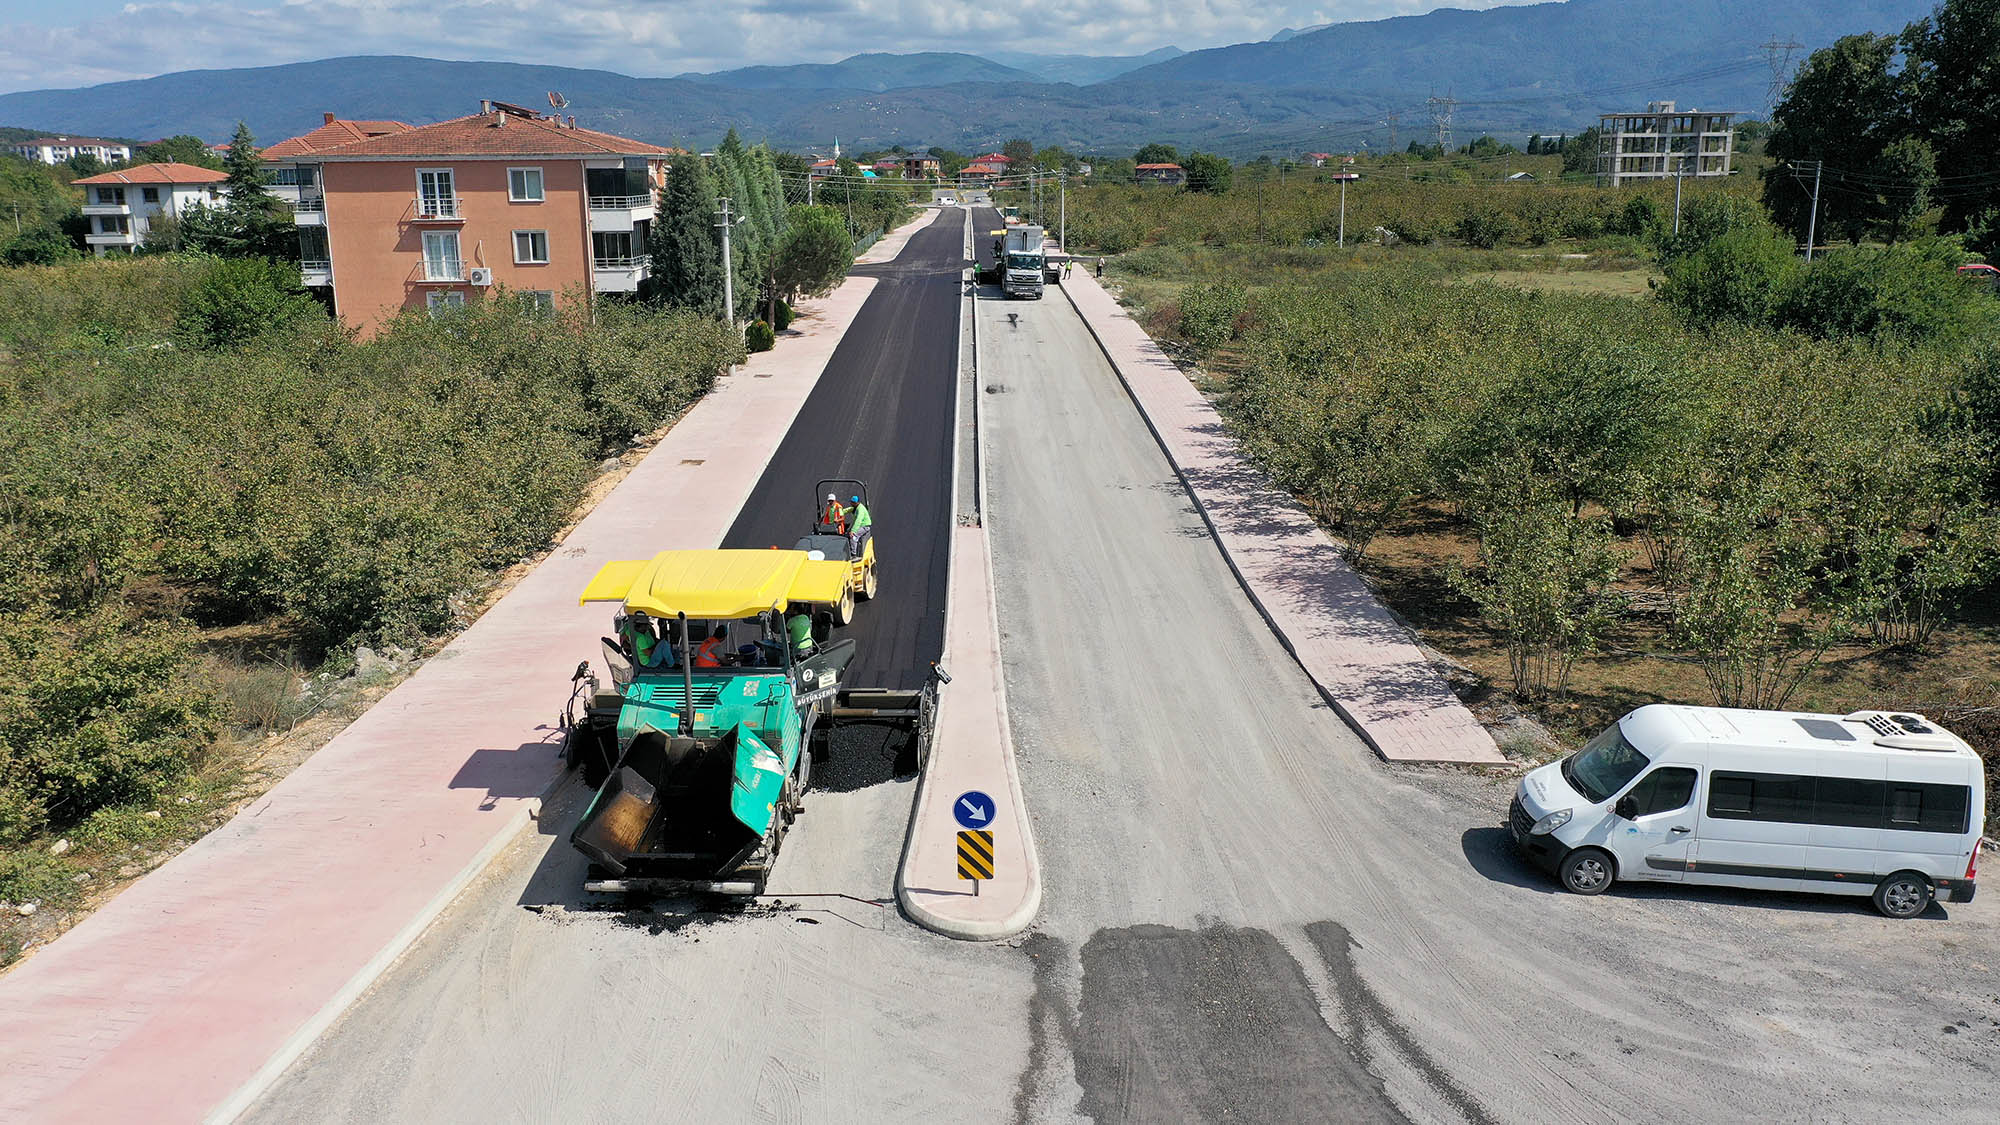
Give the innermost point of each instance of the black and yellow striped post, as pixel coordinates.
(975, 856)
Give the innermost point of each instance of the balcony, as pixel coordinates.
(612, 214)
(316, 272)
(439, 209)
(619, 275)
(112, 238)
(441, 271)
(107, 208)
(309, 211)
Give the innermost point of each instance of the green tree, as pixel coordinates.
(39, 246)
(84, 164)
(1841, 109)
(1740, 275)
(1907, 174)
(1208, 173)
(1019, 151)
(1579, 153)
(1157, 153)
(1541, 583)
(687, 259)
(1951, 76)
(181, 148)
(250, 222)
(815, 254)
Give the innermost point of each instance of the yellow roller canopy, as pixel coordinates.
(717, 585)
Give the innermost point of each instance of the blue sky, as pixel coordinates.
(61, 43)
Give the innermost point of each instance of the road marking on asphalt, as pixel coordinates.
(975, 855)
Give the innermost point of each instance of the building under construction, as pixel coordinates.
(1663, 142)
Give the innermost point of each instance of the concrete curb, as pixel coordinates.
(1396, 749)
(931, 819)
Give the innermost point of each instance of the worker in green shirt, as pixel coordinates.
(860, 526)
(801, 628)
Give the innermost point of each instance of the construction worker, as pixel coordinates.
(641, 642)
(801, 628)
(863, 526)
(713, 651)
(834, 516)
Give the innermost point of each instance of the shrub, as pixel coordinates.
(1484, 229)
(782, 310)
(1208, 313)
(1906, 293)
(106, 711)
(1740, 275)
(759, 337)
(236, 299)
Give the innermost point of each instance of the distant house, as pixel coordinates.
(1522, 178)
(823, 168)
(888, 167)
(1173, 175)
(1318, 159)
(979, 174)
(56, 150)
(999, 159)
(122, 205)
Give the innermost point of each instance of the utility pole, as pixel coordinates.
(810, 181)
(1812, 223)
(724, 222)
(1343, 208)
(1680, 173)
(1062, 210)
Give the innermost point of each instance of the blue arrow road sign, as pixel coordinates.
(974, 809)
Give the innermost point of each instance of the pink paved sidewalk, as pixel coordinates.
(205, 978)
(1364, 662)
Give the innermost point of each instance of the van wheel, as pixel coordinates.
(1905, 894)
(1587, 871)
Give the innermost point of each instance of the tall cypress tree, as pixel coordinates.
(687, 260)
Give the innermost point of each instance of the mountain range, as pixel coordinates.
(1512, 70)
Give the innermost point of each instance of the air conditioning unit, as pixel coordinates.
(479, 275)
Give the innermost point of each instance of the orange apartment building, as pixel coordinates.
(438, 215)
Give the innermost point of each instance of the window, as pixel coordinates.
(437, 197)
(1664, 790)
(1839, 802)
(441, 261)
(1761, 796)
(443, 300)
(524, 185)
(1604, 766)
(111, 195)
(149, 195)
(531, 247)
(611, 248)
(538, 302)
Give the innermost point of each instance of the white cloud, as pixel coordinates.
(641, 37)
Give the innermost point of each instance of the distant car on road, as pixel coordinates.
(1981, 272)
(1875, 803)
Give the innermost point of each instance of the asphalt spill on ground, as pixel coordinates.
(1216, 1024)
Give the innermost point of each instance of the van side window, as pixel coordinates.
(1664, 790)
(1761, 796)
(1839, 802)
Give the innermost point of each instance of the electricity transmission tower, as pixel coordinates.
(1780, 55)
(1440, 110)
(1390, 121)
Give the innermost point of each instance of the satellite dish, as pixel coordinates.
(557, 101)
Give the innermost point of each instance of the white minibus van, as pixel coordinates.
(1873, 803)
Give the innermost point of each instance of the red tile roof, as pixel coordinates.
(1175, 167)
(497, 134)
(168, 173)
(333, 134)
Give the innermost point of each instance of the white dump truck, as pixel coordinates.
(1023, 262)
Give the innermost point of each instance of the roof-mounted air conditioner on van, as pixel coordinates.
(1903, 731)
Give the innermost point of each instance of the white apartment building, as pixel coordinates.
(121, 205)
(1662, 143)
(55, 150)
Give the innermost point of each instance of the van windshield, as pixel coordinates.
(1603, 767)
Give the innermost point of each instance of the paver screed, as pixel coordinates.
(175, 999)
(1362, 659)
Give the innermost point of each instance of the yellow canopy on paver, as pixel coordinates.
(717, 585)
